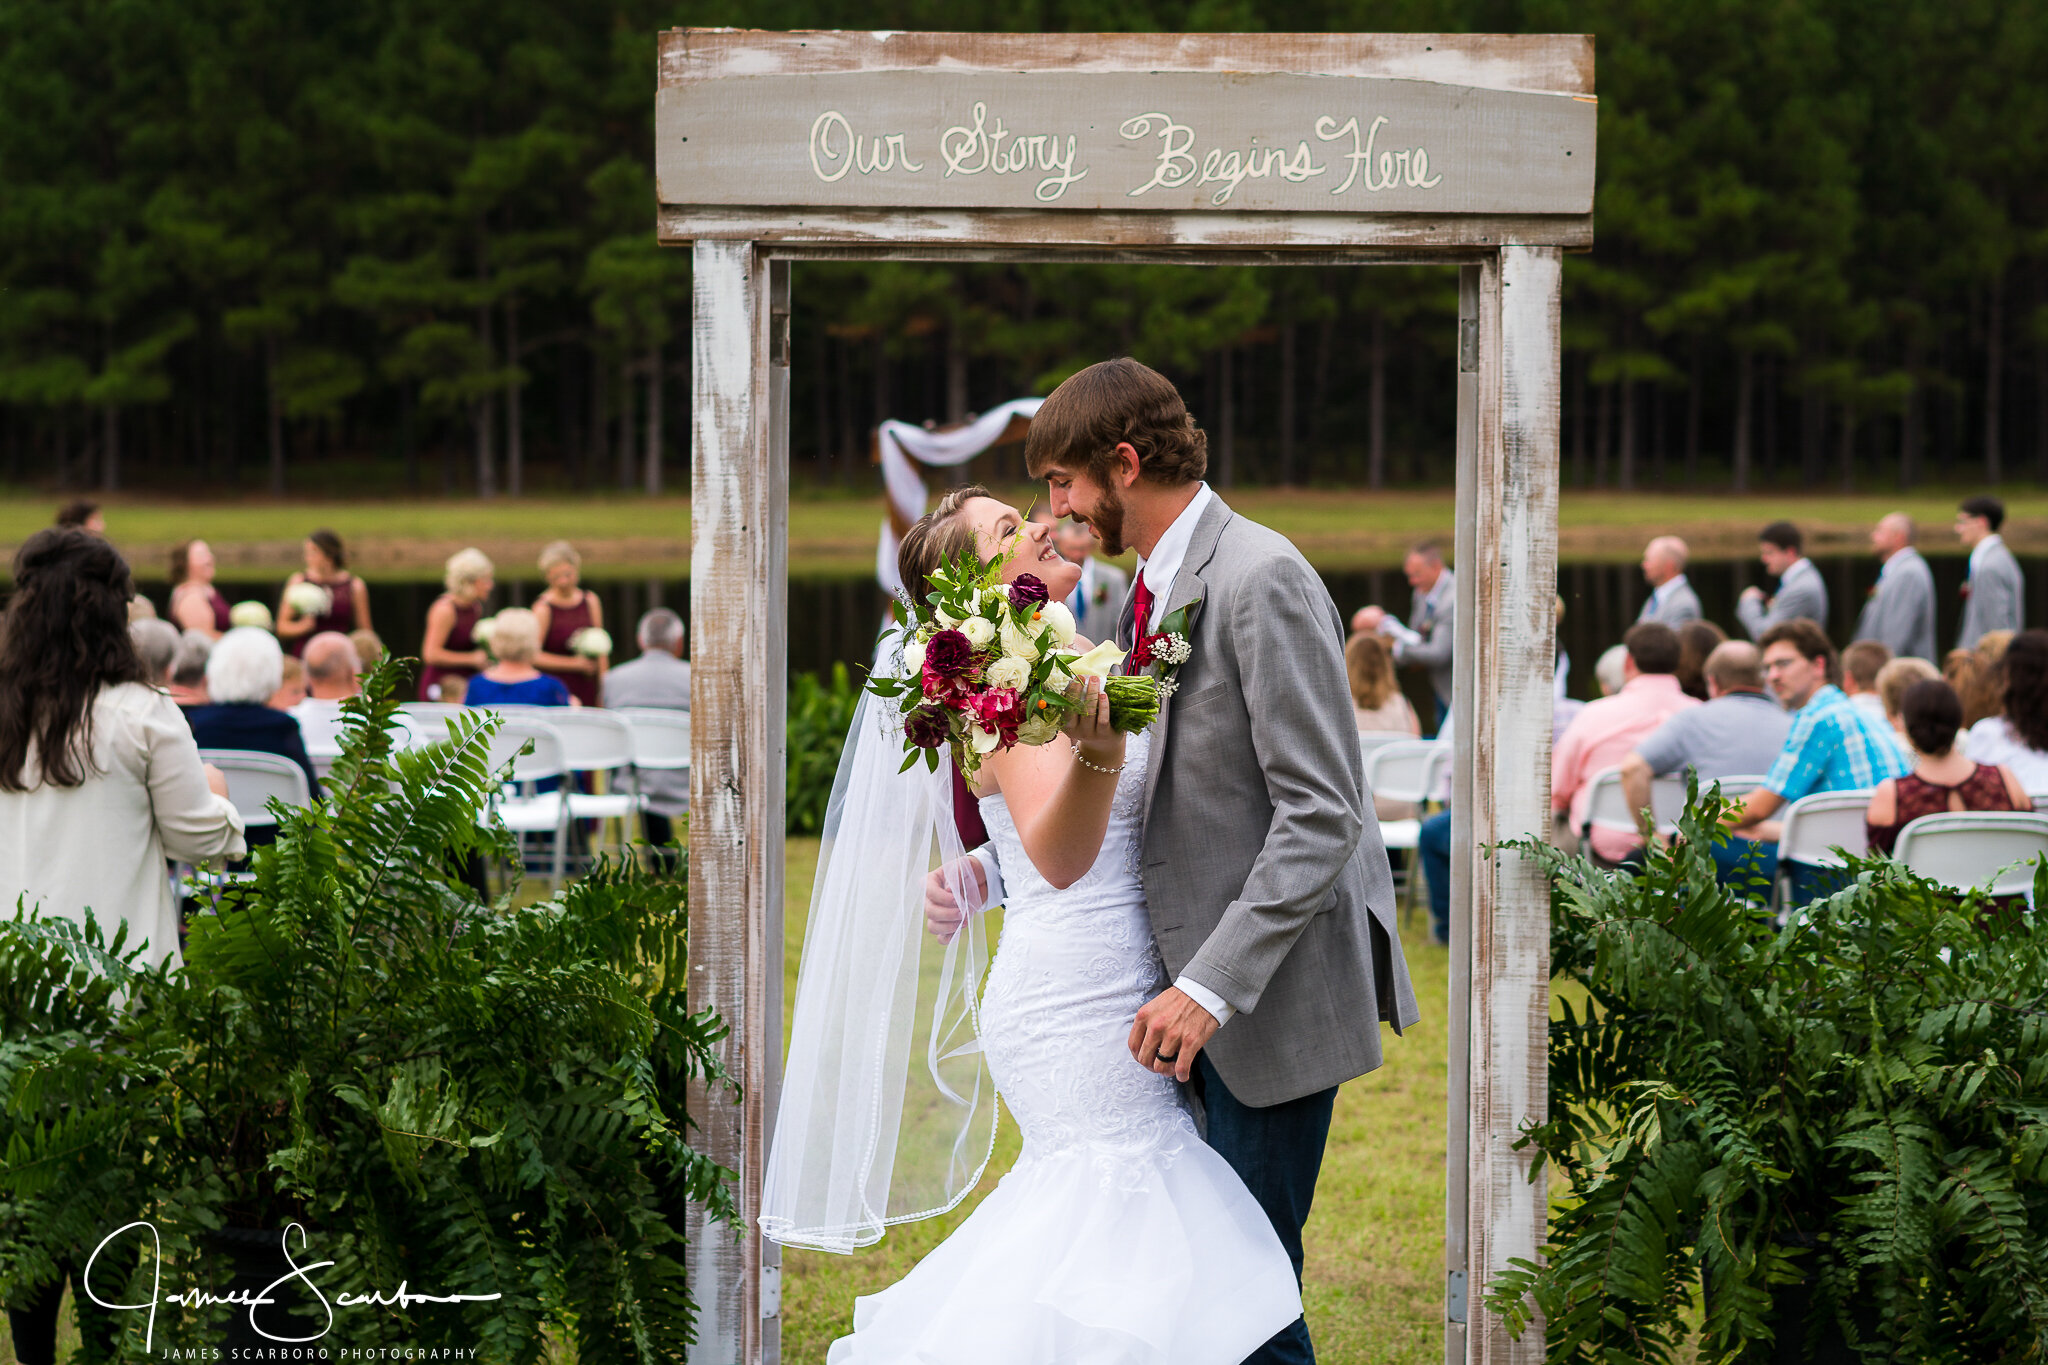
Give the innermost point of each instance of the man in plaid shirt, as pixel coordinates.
(1833, 746)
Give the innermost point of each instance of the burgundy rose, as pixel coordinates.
(1028, 590)
(926, 727)
(948, 654)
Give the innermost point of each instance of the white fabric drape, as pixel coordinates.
(904, 442)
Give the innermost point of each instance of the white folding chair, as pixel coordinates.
(661, 738)
(598, 741)
(1405, 770)
(1371, 740)
(253, 778)
(1608, 807)
(1966, 850)
(2040, 800)
(1813, 827)
(429, 719)
(1735, 786)
(323, 735)
(531, 812)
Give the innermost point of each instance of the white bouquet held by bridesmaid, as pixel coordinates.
(592, 642)
(309, 599)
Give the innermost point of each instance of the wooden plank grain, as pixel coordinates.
(738, 560)
(1516, 509)
(1498, 61)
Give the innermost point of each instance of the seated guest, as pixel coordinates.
(1740, 730)
(156, 645)
(513, 680)
(1376, 699)
(245, 668)
(1892, 681)
(1610, 670)
(1942, 778)
(369, 647)
(188, 668)
(1696, 640)
(1604, 733)
(140, 608)
(292, 689)
(660, 677)
(332, 669)
(1974, 674)
(2017, 736)
(1861, 662)
(1833, 746)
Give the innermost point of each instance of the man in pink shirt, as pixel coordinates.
(1604, 734)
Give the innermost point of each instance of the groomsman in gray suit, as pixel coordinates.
(1900, 612)
(1994, 596)
(1672, 601)
(1425, 642)
(1801, 593)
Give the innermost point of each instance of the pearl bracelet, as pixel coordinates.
(1093, 767)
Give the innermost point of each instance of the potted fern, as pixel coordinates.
(1822, 1141)
(478, 1102)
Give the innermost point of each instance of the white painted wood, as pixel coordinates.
(1507, 671)
(738, 594)
(1042, 230)
(1074, 141)
(1498, 61)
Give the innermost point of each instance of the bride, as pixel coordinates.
(1119, 1235)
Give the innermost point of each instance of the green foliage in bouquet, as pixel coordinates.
(1834, 1133)
(820, 714)
(465, 1097)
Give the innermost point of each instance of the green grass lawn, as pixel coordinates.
(1375, 1240)
(622, 534)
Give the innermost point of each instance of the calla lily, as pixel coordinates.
(1098, 662)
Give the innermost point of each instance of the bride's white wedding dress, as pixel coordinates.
(1119, 1236)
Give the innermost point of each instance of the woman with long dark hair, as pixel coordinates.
(323, 596)
(100, 781)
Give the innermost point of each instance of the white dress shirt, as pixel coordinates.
(1158, 572)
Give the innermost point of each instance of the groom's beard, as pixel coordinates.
(1108, 521)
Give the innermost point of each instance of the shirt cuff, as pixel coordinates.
(1402, 634)
(1206, 998)
(986, 856)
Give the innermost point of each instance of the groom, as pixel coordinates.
(1268, 886)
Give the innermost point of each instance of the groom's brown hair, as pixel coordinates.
(1105, 405)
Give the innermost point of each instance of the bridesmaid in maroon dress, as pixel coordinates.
(450, 652)
(349, 596)
(564, 609)
(195, 603)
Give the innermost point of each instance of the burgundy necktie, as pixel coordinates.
(1141, 613)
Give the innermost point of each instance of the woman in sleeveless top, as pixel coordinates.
(1942, 779)
(349, 597)
(450, 652)
(195, 603)
(564, 609)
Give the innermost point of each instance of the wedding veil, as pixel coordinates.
(888, 1112)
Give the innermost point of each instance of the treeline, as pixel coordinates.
(250, 244)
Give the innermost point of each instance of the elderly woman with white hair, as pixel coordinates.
(451, 654)
(514, 680)
(245, 668)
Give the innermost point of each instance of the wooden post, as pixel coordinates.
(1505, 663)
(738, 600)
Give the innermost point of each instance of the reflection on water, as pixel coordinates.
(833, 619)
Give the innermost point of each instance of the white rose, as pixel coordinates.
(1055, 617)
(983, 741)
(913, 657)
(947, 620)
(1040, 729)
(1057, 681)
(1098, 662)
(979, 631)
(1014, 674)
(1018, 642)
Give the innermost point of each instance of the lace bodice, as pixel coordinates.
(1114, 877)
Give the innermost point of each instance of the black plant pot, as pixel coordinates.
(255, 1259)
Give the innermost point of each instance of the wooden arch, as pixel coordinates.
(1269, 149)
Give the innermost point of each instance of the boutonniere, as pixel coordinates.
(1101, 594)
(1966, 588)
(1165, 650)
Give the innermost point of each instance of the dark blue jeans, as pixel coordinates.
(1278, 1152)
(1433, 846)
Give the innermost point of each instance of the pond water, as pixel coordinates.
(833, 618)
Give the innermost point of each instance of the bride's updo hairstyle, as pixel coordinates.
(940, 534)
(1084, 420)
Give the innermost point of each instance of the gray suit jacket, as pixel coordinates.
(1901, 610)
(1432, 616)
(1264, 871)
(1103, 589)
(1800, 593)
(1680, 605)
(1995, 597)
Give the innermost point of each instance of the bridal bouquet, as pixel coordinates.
(309, 599)
(988, 666)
